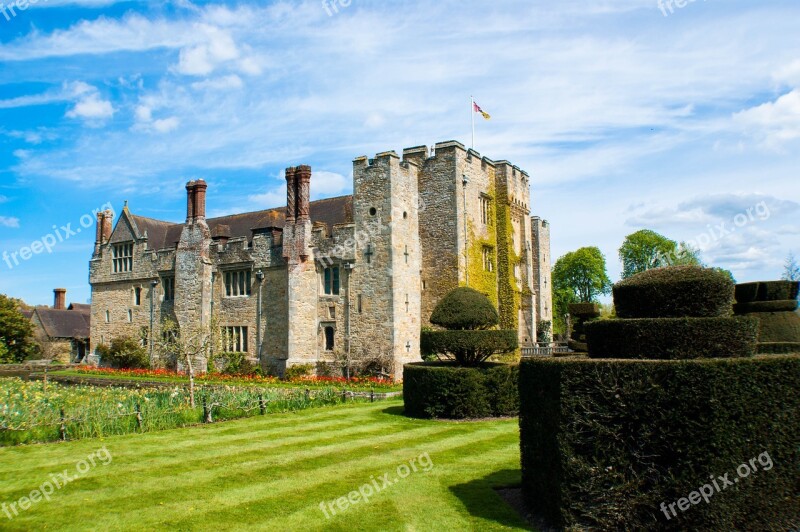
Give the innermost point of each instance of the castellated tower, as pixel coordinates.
(387, 272)
(542, 269)
(301, 291)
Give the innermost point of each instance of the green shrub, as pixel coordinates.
(544, 332)
(124, 353)
(585, 310)
(789, 305)
(672, 338)
(778, 348)
(777, 290)
(299, 370)
(778, 326)
(446, 390)
(465, 308)
(468, 348)
(233, 363)
(605, 443)
(675, 292)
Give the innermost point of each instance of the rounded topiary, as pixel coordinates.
(746, 292)
(584, 310)
(675, 292)
(465, 309)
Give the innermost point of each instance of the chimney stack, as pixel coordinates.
(190, 202)
(200, 188)
(303, 177)
(60, 300)
(108, 226)
(291, 194)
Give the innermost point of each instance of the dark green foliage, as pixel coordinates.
(465, 309)
(299, 370)
(124, 353)
(672, 338)
(778, 348)
(544, 332)
(233, 364)
(446, 390)
(778, 326)
(468, 348)
(16, 332)
(604, 443)
(767, 291)
(675, 292)
(752, 307)
(585, 310)
(646, 249)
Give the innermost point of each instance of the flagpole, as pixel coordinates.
(472, 115)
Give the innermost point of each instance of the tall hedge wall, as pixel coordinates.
(605, 442)
(446, 390)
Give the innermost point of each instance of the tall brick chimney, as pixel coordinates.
(108, 226)
(303, 177)
(60, 299)
(190, 202)
(200, 188)
(291, 194)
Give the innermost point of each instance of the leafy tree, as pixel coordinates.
(5, 357)
(468, 315)
(582, 274)
(16, 330)
(646, 249)
(791, 270)
(563, 297)
(126, 353)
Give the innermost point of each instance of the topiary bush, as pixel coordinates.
(446, 390)
(778, 326)
(767, 291)
(675, 292)
(778, 348)
(604, 443)
(465, 309)
(672, 338)
(773, 304)
(467, 314)
(765, 306)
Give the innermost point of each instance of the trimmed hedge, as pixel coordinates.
(465, 308)
(675, 292)
(584, 310)
(605, 443)
(778, 348)
(672, 338)
(789, 305)
(778, 326)
(767, 291)
(445, 390)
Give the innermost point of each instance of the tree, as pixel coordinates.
(470, 339)
(125, 353)
(563, 297)
(17, 331)
(582, 275)
(791, 270)
(646, 249)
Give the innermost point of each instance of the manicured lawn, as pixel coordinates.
(272, 473)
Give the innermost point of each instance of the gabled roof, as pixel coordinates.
(164, 235)
(65, 323)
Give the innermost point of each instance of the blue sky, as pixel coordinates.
(626, 116)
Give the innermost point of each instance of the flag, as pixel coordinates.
(478, 109)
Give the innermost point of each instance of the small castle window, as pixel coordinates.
(405, 215)
(332, 313)
(137, 296)
(123, 258)
(329, 337)
(108, 316)
(486, 210)
(238, 283)
(373, 211)
(130, 316)
(235, 339)
(169, 288)
(331, 281)
(488, 259)
(359, 303)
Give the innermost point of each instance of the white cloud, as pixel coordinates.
(6, 221)
(203, 59)
(773, 123)
(223, 83)
(166, 125)
(91, 107)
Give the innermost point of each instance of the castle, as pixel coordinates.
(354, 277)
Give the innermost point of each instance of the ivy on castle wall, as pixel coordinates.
(507, 259)
(480, 279)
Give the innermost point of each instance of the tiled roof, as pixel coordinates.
(65, 323)
(332, 211)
